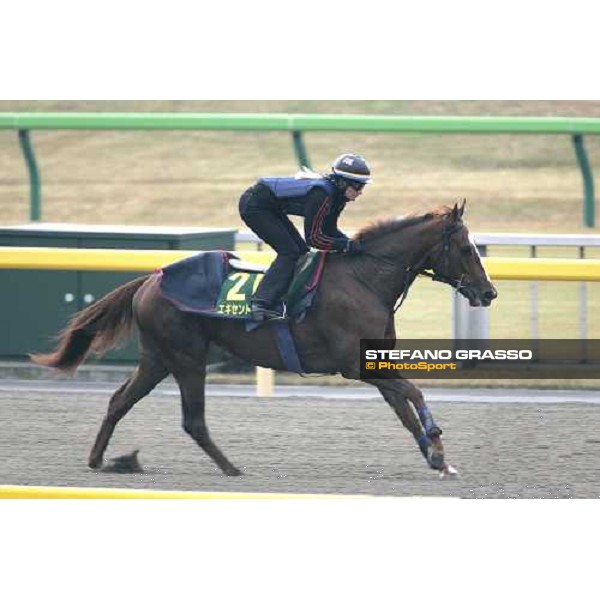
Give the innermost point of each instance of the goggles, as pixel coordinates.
(355, 185)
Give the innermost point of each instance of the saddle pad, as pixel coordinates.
(209, 283)
(194, 283)
(236, 292)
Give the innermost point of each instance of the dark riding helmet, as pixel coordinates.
(352, 167)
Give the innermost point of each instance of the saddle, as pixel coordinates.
(220, 284)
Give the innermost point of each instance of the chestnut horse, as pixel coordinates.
(356, 300)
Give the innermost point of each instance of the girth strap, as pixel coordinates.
(287, 347)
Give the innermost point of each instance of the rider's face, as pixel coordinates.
(353, 190)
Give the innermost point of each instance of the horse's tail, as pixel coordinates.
(97, 328)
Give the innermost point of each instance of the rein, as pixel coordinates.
(411, 273)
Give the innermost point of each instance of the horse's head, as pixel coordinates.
(456, 261)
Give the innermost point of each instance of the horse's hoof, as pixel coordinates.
(233, 472)
(448, 472)
(436, 461)
(127, 463)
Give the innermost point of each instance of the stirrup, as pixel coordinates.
(260, 312)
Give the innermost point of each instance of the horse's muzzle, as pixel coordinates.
(479, 297)
(488, 296)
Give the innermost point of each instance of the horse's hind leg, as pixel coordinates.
(146, 377)
(191, 384)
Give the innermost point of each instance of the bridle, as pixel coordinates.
(433, 274)
(411, 273)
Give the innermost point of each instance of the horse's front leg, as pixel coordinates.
(432, 431)
(398, 393)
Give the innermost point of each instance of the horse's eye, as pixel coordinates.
(466, 250)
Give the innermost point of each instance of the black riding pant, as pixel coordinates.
(260, 211)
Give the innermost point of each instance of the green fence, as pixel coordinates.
(296, 124)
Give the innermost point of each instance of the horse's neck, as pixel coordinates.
(389, 259)
(407, 248)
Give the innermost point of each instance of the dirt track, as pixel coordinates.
(308, 445)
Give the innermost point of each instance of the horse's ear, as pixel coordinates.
(455, 214)
(457, 211)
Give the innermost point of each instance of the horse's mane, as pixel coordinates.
(393, 225)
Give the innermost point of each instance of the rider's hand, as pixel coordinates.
(353, 247)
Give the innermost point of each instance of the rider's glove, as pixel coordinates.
(353, 247)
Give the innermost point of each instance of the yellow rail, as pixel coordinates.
(80, 259)
(85, 259)
(543, 269)
(19, 492)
